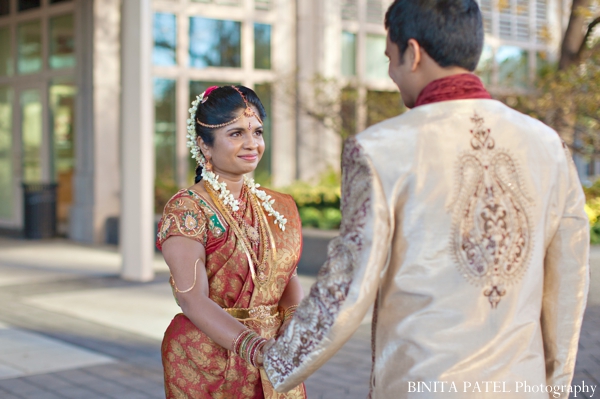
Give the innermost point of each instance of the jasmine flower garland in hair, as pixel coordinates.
(191, 132)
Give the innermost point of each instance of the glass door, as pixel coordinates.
(7, 183)
(32, 136)
(62, 115)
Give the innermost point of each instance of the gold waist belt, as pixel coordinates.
(259, 312)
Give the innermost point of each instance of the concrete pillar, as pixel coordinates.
(136, 233)
(318, 55)
(97, 172)
(283, 111)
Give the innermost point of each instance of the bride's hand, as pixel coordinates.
(283, 327)
(260, 358)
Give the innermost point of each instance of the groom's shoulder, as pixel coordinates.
(397, 128)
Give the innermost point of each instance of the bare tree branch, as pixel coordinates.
(590, 29)
(573, 37)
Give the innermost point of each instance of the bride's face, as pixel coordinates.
(237, 148)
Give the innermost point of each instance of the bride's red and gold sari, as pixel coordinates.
(194, 365)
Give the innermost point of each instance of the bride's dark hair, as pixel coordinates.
(222, 105)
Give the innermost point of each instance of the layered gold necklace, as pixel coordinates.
(257, 240)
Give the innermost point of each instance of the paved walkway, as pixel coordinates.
(70, 328)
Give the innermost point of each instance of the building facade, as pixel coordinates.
(94, 94)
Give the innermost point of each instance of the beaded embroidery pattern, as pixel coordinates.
(491, 234)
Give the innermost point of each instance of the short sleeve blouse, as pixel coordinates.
(187, 215)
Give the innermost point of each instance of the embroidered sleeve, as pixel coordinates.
(347, 283)
(182, 217)
(566, 282)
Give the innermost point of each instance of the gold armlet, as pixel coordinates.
(289, 312)
(193, 285)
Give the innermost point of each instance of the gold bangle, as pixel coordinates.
(237, 339)
(193, 285)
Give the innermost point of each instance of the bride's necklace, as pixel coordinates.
(251, 232)
(227, 198)
(256, 241)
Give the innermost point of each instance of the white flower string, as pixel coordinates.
(266, 202)
(221, 187)
(191, 132)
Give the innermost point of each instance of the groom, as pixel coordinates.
(463, 223)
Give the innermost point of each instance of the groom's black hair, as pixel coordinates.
(450, 31)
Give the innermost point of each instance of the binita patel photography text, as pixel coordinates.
(557, 391)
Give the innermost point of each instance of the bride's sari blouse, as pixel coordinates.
(195, 366)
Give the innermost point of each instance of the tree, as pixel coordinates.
(581, 25)
(567, 95)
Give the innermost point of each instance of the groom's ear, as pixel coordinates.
(413, 54)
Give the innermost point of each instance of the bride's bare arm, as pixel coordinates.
(181, 254)
(293, 293)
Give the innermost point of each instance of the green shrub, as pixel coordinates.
(318, 204)
(331, 219)
(310, 216)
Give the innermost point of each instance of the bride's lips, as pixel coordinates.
(250, 158)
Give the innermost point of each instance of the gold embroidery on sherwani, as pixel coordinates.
(491, 232)
(315, 316)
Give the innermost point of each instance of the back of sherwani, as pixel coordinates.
(464, 224)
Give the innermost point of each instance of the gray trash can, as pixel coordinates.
(39, 208)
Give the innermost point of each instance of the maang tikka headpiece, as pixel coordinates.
(201, 99)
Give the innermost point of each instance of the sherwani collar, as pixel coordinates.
(454, 87)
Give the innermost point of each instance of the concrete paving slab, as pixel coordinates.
(594, 295)
(59, 256)
(79, 301)
(24, 353)
(146, 310)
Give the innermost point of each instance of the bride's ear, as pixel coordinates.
(204, 148)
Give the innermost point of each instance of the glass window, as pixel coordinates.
(375, 12)
(62, 107)
(198, 87)
(31, 133)
(262, 4)
(263, 170)
(377, 62)
(62, 42)
(214, 43)
(4, 7)
(220, 2)
(513, 66)
(28, 4)
(349, 10)
(262, 46)
(382, 105)
(165, 39)
(6, 159)
(349, 54)
(164, 140)
(29, 38)
(58, 1)
(6, 62)
(485, 68)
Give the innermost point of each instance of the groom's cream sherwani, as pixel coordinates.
(464, 223)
